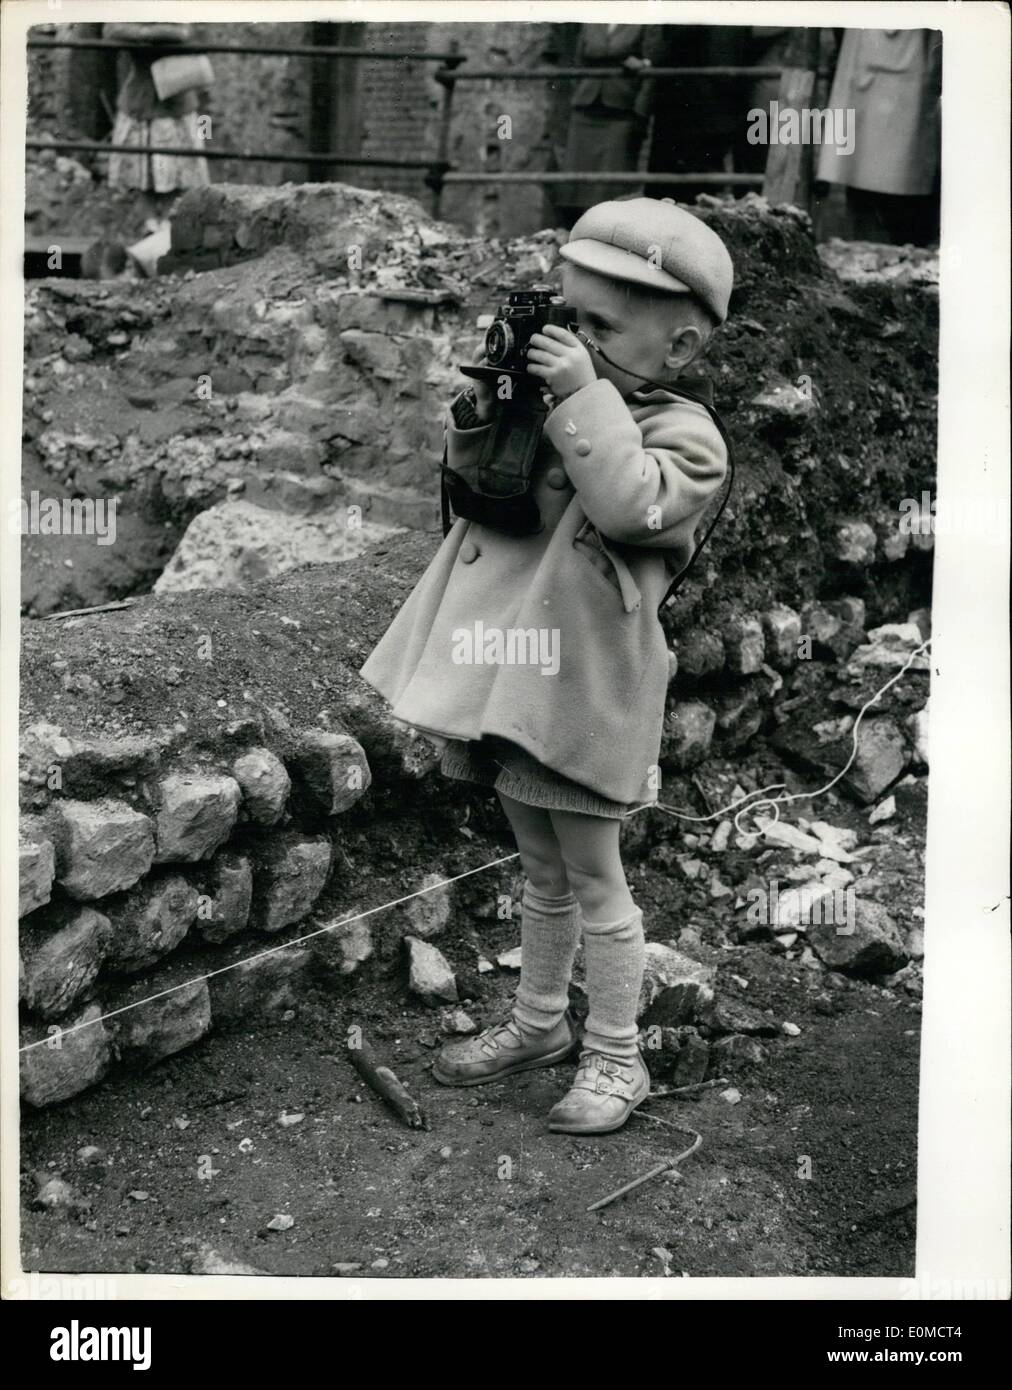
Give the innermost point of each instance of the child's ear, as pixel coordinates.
(685, 346)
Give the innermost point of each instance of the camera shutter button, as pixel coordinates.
(582, 447)
(556, 478)
(469, 552)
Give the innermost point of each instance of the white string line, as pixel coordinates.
(272, 950)
(774, 802)
(420, 892)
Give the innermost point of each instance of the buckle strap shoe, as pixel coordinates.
(605, 1093)
(500, 1050)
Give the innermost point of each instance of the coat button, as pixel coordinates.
(468, 552)
(556, 477)
(582, 447)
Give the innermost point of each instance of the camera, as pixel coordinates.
(508, 337)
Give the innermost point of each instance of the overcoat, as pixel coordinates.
(599, 48)
(891, 80)
(621, 485)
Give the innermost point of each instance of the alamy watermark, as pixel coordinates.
(512, 646)
(71, 1287)
(812, 904)
(64, 516)
(809, 126)
(966, 514)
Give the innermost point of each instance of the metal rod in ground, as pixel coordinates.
(694, 1088)
(656, 1171)
(387, 1086)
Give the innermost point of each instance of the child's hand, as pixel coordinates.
(560, 360)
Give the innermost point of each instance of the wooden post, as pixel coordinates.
(444, 76)
(790, 168)
(322, 95)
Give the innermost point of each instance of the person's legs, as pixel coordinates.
(612, 929)
(550, 923)
(539, 1031)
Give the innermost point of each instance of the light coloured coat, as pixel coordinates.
(621, 486)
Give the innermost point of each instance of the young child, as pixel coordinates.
(622, 476)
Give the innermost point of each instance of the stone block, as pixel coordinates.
(330, 771)
(676, 990)
(36, 865)
(869, 945)
(264, 783)
(733, 1055)
(429, 914)
(73, 1056)
(150, 920)
(288, 878)
(744, 645)
(854, 543)
(688, 733)
(62, 958)
(197, 811)
(782, 631)
(430, 975)
(229, 886)
(158, 1027)
(102, 846)
(259, 986)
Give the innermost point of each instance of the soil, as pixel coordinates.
(487, 1190)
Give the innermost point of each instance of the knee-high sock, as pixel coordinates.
(614, 960)
(549, 936)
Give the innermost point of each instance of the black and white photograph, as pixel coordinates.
(509, 713)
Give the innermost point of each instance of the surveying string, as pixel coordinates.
(746, 805)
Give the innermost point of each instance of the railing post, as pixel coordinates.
(790, 168)
(444, 76)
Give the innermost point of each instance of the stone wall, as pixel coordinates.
(189, 809)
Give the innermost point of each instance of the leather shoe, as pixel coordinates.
(501, 1050)
(605, 1093)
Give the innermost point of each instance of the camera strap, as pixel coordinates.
(699, 399)
(496, 489)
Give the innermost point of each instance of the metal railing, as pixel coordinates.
(439, 171)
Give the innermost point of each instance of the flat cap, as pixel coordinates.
(656, 243)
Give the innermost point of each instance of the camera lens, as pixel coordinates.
(498, 342)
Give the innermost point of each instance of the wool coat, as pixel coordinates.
(891, 79)
(597, 47)
(621, 486)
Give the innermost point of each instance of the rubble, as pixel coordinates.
(869, 946)
(236, 543)
(429, 973)
(291, 480)
(429, 912)
(676, 989)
